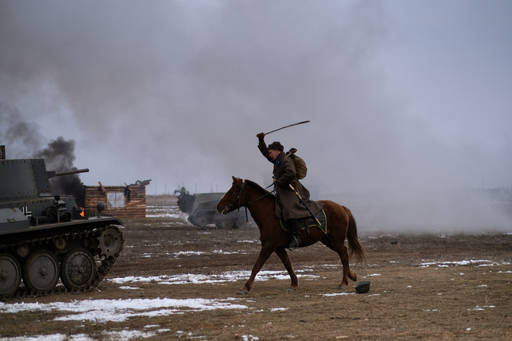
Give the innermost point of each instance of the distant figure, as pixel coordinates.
(288, 206)
(185, 199)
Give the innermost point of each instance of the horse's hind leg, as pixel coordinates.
(262, 258)
(288, 265)
(342, 252)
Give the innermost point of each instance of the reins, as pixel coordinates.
(249, 202)
(259, 198)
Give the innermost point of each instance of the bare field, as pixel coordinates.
(176, 281)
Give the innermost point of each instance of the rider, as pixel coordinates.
(288, 206)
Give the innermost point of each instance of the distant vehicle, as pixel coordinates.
(202, 210)
(44, 237)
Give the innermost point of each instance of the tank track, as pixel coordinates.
(105, 262)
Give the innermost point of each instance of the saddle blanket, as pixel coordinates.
(309, 222)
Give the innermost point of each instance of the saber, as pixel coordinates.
(288, 126)
(303, 202)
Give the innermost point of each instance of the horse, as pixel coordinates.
(261, 203)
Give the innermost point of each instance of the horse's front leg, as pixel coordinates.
(265, 252)
(288, 265)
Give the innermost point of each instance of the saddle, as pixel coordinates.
(308, 222)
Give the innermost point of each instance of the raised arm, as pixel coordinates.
(262, 146)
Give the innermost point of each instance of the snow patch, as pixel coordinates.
(481, 308)
(104, 310)
(80, 337)
(188, 253)
(52, 337)
(476, 262)
(165, 211)
(222, 252)
(230, 276)
(127, 334)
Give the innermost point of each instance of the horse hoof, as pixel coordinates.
(243, 292)
(342, 285)
(292, 289)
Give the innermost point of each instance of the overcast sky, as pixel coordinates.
(409, 101)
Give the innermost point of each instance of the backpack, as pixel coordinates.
(300, 164)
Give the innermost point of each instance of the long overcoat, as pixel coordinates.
(288, 205)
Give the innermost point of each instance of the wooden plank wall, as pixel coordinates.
(135, 203)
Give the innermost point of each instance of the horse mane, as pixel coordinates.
(259, 188)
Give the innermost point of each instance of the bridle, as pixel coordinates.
(239, 197)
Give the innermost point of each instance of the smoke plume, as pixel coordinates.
(60, 156)
(408, 120)
(23, 140)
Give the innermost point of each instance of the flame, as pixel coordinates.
(83, 212)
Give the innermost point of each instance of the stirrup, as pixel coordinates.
(295, 242)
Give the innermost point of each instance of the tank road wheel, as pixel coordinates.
(41, 271)
(111, 242)
(10, 275)
(78, 269)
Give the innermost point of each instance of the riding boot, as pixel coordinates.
(295, 242)
(294, 227)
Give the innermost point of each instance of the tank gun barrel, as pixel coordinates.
(52, 174)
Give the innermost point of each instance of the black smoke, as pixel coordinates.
(23, 140)
(59, 156)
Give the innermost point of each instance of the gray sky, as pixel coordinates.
(409, 100)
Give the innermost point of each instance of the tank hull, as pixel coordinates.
(203, 211)
(58, 241)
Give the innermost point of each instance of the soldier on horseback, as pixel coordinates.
(288, 207)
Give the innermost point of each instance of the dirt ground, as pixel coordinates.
(440, 287)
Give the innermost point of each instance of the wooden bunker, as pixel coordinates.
(124, 202)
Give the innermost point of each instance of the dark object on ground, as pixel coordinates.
(362, 287)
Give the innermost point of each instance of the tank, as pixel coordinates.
(202, 210)
(45, 237)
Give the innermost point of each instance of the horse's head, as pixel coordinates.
(233, 198)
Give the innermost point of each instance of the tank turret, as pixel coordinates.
(44, 235)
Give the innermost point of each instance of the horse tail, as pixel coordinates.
(353, 241)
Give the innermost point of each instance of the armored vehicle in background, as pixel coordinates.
(44, 237)
(202, 210)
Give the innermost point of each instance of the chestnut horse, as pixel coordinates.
(261, 204)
